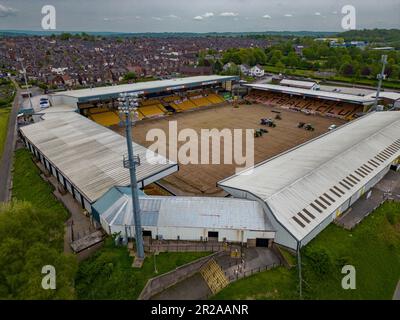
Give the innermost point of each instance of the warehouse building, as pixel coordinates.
(307, 187)
(186, 218)
(85, 157)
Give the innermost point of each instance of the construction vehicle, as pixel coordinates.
(268, 122)
(259, 132)
(309, 127)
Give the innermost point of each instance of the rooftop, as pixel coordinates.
(184, 212)
(301, 180)
(314, 93)
(144, 87)
(90, 155)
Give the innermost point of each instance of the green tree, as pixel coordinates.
(31, 238)
(130, 76)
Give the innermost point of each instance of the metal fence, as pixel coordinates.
(190, 247)
(240, 275)
(164, 281)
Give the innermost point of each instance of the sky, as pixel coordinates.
(198, 15)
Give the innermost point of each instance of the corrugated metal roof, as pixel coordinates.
(88, 154)
(314, 93)
(297, 83)
(312, 180)
(173, 84)
(189, 212)
(387, 95)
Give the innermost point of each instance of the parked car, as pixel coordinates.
(332, 127)
(44, 104)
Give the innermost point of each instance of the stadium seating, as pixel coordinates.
(214, 98)
(106, 119)
(307, 105)
(154, 110)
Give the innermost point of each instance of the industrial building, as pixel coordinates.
(86, 158)
(306, 188)
(185, 218)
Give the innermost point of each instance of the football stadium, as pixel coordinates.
(316, 153)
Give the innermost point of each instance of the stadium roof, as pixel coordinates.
(314, 93)
(89, 155)
(183, 212)
(386, 95)
(297, 83)
(299, 182)
(144, 87)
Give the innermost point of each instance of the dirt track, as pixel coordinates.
(199, 179)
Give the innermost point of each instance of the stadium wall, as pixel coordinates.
(283, 236)
(52, 169)
(189, 234)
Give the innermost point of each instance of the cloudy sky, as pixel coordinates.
(198, 15)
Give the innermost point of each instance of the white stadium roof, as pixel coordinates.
(386, 95)
(313, 93)
(188, 212)
(89, 155)
(145, 87)
(304, 185)
(297, 83)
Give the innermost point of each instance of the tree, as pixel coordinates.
(217, 67)
(130, 76)
(347, 69)
(30, 239)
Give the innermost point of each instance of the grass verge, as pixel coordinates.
(109, 273)
(373, 248)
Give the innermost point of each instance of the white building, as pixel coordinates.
(185, 218)
(257, 71)
(304, 189)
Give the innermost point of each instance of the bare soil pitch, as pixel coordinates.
(200, 180)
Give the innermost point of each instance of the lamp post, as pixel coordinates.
(127, 107)
(26, 81)
(380, 77)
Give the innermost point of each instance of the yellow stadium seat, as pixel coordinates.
(106, 119)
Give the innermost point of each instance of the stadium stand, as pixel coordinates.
(307, 105)
(106, 119)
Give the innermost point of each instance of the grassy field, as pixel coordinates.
(109, 273)
(373, 248)
(4, 117)
(29, 186)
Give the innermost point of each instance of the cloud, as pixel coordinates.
(7, 11)
(266, 16)
(317, 13)
(229, 14)
(289, 15)
(113, 19)
(204, 16)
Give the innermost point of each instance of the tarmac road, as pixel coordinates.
(8, 151)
